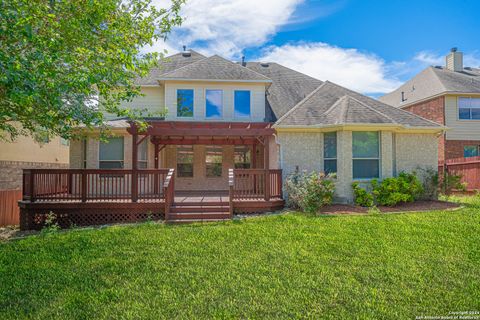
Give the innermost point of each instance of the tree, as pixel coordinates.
(63, 63)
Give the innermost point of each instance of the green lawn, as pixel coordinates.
(286, 266)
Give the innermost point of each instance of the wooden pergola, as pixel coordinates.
(163, 133)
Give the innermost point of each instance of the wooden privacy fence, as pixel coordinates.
(9, 210)
(467, 168)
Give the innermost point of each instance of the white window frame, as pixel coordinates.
(235, 116)
(470, 108)
(370, 158)
(193, 103)
(223, 104)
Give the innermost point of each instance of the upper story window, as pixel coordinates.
(213, 160)
(469, 108)
(111, 154)
(142, 154)
(330, 152)
(242, 103)
(242, 157)
(184, 102)
(213, 103)
(185, 161)
(366, 154)
(471, 151)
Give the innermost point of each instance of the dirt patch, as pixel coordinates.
(404, 207)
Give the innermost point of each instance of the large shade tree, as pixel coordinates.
(63, 63)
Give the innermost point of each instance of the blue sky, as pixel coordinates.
(370, 46)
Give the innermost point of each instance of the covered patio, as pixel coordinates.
(96, 196)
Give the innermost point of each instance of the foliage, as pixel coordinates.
(64, 63)
(391, 191)
(453, 183)
(361, 196)
(272, 267)
(309, 191)
(373, 210)
(51, 224)
(430, 182)
(407, 187)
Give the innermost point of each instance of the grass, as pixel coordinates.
(391, 266)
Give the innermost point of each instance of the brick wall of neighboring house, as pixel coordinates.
(455, 147)
(11, 172)
(433, 109)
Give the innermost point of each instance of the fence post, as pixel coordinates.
(231, 182)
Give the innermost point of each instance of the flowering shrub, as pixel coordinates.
(309, 191)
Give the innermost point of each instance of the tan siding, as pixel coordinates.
(26, 149)
(257, 100)
(153, 100)
(459, 129)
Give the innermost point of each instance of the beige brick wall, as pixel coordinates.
(414, 150)
(11, 172)
(399, 152)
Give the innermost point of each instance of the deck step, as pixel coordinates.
(177, 221)
(200, 203)
(180, 208)
(199, 216)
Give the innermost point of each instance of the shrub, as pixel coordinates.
(51, 224)
(361, 196)
(430, 183)
(309, 191)
(391, 191)
(453, 182)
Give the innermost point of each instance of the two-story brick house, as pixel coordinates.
(448, 95)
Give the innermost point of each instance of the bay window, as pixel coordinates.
(366, 154)
(330, 152)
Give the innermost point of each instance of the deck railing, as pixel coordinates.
(169, 191)
(250, 184)
(82, 185)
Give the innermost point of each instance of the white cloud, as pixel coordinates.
(427, 58)
(226, 27)
(351, 68)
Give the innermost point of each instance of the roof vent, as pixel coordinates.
(186, 53)
(454, 60)
(264, 64)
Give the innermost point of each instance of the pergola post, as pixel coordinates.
(254, 156)
(266, 165)
(134, 133)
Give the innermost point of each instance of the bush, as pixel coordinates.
(453, 182)
(309, 191)
(430, 183)
(391, 191)
(361, 196)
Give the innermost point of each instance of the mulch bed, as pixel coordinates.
(404, 207)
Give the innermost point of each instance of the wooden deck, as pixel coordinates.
(90, 197)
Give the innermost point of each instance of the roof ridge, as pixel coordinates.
(278, 64)
(329, 110)
(237, 65)
(374, 110)
(432, 70)
(300, 103)
(174, 70)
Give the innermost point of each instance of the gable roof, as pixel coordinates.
(214, 68)
(331, 105)
(288, 87)
(434, 81)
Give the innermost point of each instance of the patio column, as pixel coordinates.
(156, 155)
(134, 133)
(266, 164)
(254, 156)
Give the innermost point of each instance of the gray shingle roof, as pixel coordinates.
(288, 88)
(433, 81)
(169, 64)
(214, 68)
(331, 104)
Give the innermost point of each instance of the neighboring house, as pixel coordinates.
(25, 153)
(224, 115)
(448, 95)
